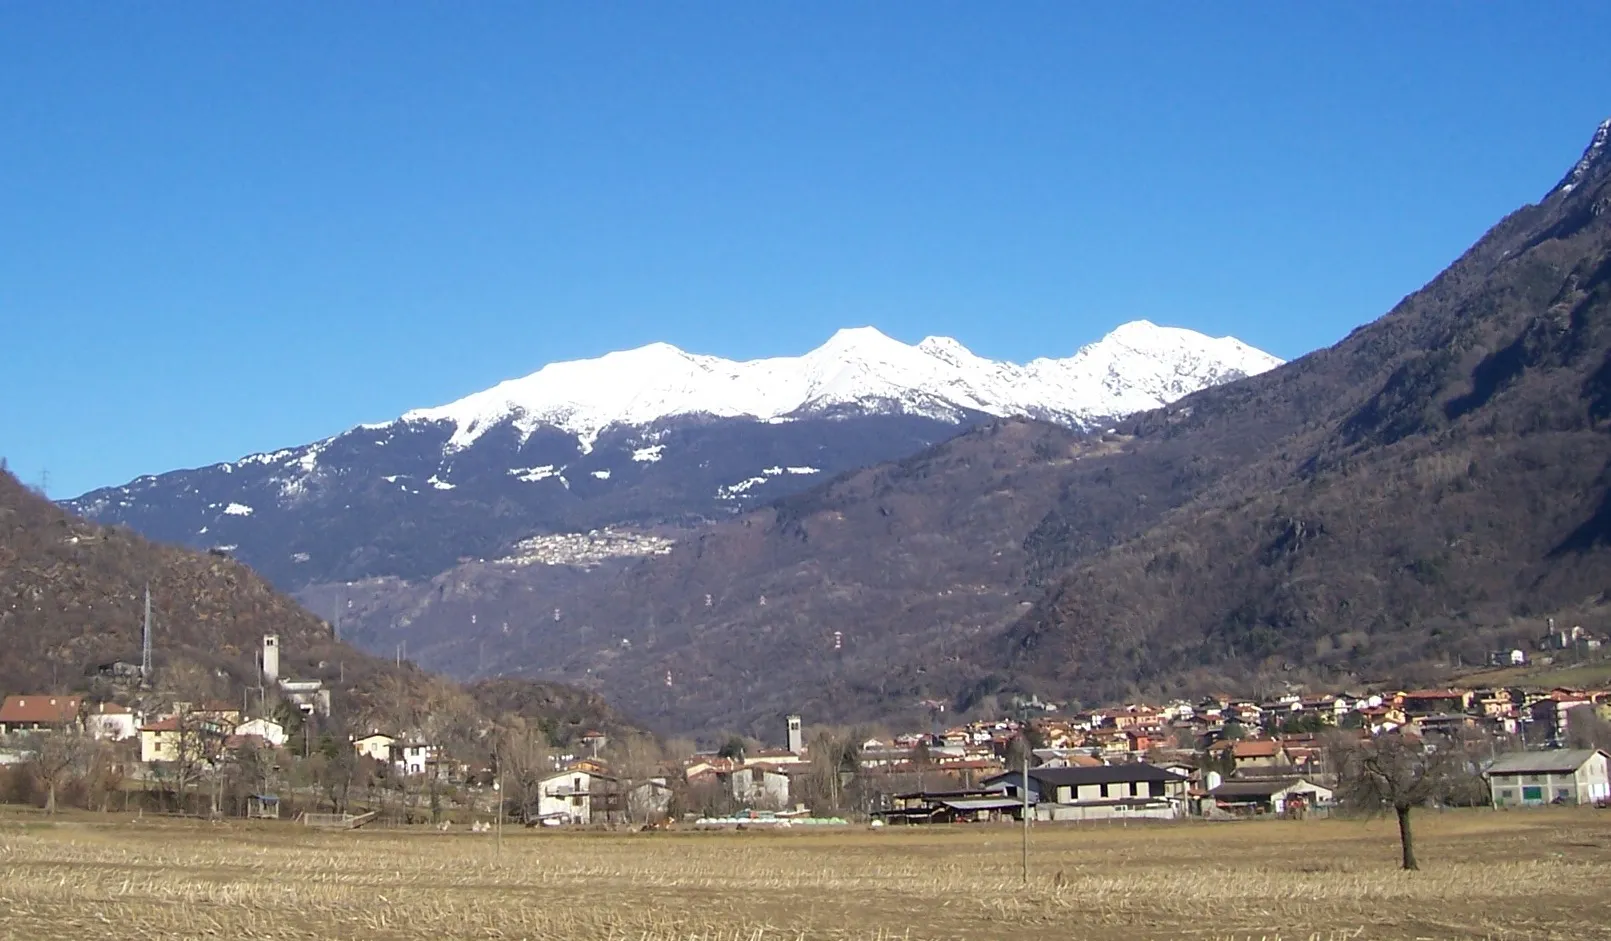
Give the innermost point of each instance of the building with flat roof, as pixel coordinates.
(1130, 790)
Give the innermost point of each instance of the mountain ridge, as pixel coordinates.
(652, 439)
(1430, 489)
(1421, 493)
(857, 365)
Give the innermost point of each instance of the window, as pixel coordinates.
(1504, 794)
(1562, 793)
(1104, 790)
(1532, 793)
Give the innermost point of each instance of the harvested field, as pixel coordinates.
(1523, 875)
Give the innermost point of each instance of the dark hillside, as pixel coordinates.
(1433, 486)
(71, 598)
(1430, 486)
(916, 564)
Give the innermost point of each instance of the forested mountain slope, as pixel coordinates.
(1430, 486)
(72, 598)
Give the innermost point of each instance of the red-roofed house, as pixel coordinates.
(1252, 753)
(39, 713)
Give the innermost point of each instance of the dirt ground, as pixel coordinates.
(1543, 874)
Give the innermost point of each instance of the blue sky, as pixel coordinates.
(231, 227)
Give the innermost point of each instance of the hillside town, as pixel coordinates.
(1218, 757)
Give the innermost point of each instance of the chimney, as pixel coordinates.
(271, 658)
(796, 737)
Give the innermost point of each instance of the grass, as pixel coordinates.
(1521, 875)
(1576, 676)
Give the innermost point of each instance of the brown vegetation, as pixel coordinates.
(1532, 875)
(71, 597)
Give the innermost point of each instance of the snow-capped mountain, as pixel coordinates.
(1134, 368)
(650, 437)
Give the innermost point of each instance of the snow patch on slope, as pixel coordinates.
(1596, 150)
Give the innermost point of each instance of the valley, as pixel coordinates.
(1423, 493)
(712, 544)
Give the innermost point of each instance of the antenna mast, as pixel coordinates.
(145, 643)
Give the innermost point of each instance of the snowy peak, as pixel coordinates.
(1594, 154)
(1139, 365)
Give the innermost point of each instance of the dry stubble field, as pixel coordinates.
(1534, 875)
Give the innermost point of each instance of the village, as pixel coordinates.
(1218, 758)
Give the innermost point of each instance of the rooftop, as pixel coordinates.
(1557, 761)
(41, 710)
(1263, 787)
(1106, 774)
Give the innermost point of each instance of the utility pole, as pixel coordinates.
(1025, 853)
(1023, 738)
(145, 642)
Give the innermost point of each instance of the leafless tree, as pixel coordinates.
(1586, 728)
(449, 722)
(634, 761)
(104, 772)
(59, 755)
(523, 758)
(1399, 772)
(833, 761)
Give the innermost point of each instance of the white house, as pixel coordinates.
(111, 722)
(763, 787)
(376, 745)
(266, 729)
(1132, 790)
(414, 757)
(1531, 779)
(567, 796)
(650, 800)
(1267, 795)
(310, 696)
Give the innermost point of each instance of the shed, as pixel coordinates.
(1269, 795)
(263, 806)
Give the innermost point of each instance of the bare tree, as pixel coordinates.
(58, 757)
(1586, 728)
(1398, 772)
(833, 760)
(449, 723)
(523, 758)
(104, 773)
(638, 764)
(333, 767)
